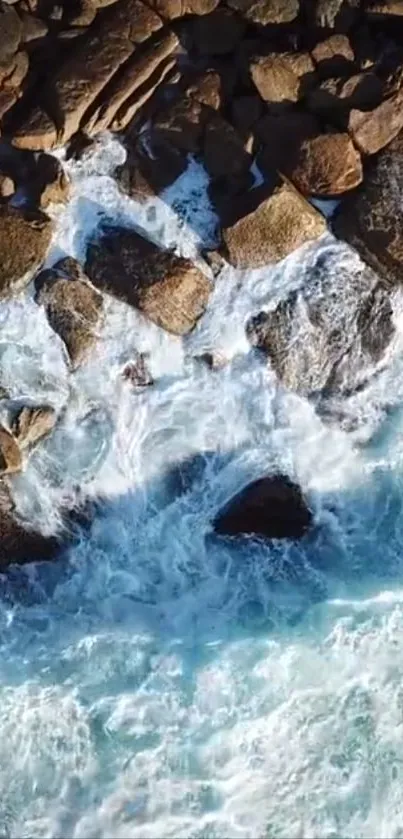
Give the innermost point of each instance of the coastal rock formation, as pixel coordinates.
(273, 507)
(170, 290)
(18, 541)
(17, 262)
(32, 423)
(267, 224)
(10, 453)
(327, 165)
(73, 307)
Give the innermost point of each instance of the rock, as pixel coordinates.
(80, 79)
(282, 136)
(137, 373)
(372, 219)
(31, 424)
(273, 507)
(223, 150)
(325, 337)
(135, 83)
(371, 131)
(10, 33)
(207, 89)
(246, 111)
(171, 9)
(330, 14)
(328, 165)
(334, 56)
(263, 12)
(147, 171)
(182, 124)
(282, 78)
(10, 454)
(50, 184)
(73, 307)
(218, 33)
(169, 290)
(17, 263)
(386, 9)
(268, 224)
(18, 541)
(6, 186)
(334, 98)
(33, 27)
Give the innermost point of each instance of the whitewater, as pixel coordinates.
(158, 681)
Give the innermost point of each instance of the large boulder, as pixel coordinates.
(24, 241)
(273, 507)
(172, 9)
(327, 336)
(265, 12)
(170, 290)
(73, 307)
(333, 56)
(282, 78)
(328, 165)
(371, 131)
(268, 223)
(372, 219)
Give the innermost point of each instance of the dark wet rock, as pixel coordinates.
(372, 219)
(49, 184)
(148, 170)
(207, 88)
(10, 453)
(218, 33)
(334, 56)
(211, 360)
(372, 131)
(172, 9)
(336, 14)
(282, 78)
(74, 308)
(246, 112)
(325, 337)
(10, 33)
(137, 373)
(182, 123)
(24, 241)
(33, 27)
(265, 12)
(328, 165)
(336, 97)
(19, 542)
(273, 507)
(268, 223)
(170, 290)
(32, 423)
(223, 149)
(282, 136)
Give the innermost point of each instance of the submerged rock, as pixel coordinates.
(273, 507)
(325, 336)
(73, 307)
(170, 290)
(24, 242)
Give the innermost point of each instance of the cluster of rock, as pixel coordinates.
(311, 92)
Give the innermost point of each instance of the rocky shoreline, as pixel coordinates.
(282, 102)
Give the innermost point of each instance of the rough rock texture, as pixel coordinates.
(387, 8)
(171, 9)
(207, 89)
(326, 336)
(10, 454)
(146, 172)
(333, 56)
(335, 97)
(266, 11)
(328, 165)
(223, 149)
(273, 507)
(33, 230)
(10, 33)
(73, 307)
(32, 423)
(372, 219)
(168, 289)
(372, 131)
(336, 13)
(7, 187)
(268, 224)
(50, 184)
(182, 124)
(19, 542)
(281, 78)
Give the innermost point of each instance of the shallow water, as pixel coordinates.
(159, 682)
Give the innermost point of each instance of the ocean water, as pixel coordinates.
(158, 681)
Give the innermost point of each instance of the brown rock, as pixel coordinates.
(270, 223)
(207, 89)
(169, 290)
(333, 56)
(273, 507)
(8, 98)
(79, 80)
(135, 79)
(10, 32)
(31, 424)
(182, 124)
(33, 27)
(336, 13)
(371, 131)
(50, 184)
(328, 166)
(282, 136)
(18, 71)
(24, 241)
(10, 454)
(266, 11)
(218, 33)
(335, 97)
(372, 219)
(18, 541)
(171, 9)
(145, 175)
(223, 150)
(281, 78)
(388, 8)
(6, 186)
(167, 71)
(73, 307)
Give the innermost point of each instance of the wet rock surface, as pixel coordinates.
(272, 507)
(17, 263)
